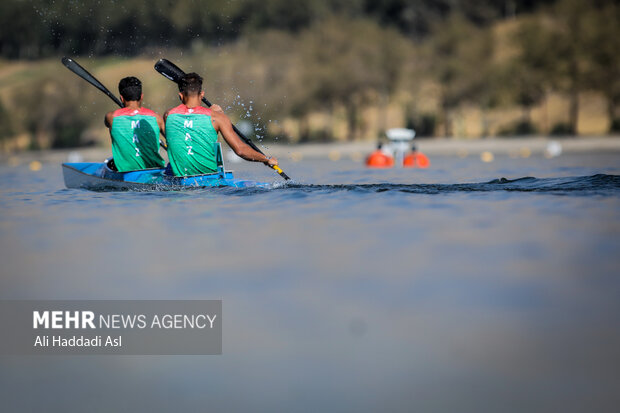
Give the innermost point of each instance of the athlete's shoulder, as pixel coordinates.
(219, 116)
(122, 112)
(201, 110)
(133, 112)
(181, 110)
(147, 112)
(184, 110)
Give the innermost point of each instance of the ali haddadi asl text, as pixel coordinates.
(78, 341)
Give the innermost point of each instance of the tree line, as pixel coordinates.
(569, 47)
(33, 29)
(334, 58)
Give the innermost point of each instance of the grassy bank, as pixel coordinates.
(46, 90)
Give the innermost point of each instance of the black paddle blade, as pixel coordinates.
(73, 66)
(173, 72)
(169, 70)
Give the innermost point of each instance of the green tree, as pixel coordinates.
(556, 48)
(397, 54)
(417, 17)
(20, 34)
(51, 113)
(459, 59)
(258, 77)
(571, 53)
(602, 41)
(347, 63)
(39, 28)
(6, 125)
(525, 77)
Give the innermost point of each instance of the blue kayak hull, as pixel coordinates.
(97, 176)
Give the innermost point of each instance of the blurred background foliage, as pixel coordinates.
(319, 70)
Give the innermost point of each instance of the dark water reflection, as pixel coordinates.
(340, 293)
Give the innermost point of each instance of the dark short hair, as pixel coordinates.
(130, 88)
(190, 84)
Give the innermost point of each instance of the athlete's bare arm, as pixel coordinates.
(108, 119)
(222, 124)
(162, 124)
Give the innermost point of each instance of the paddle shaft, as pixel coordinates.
(171, 71)
(75, 67)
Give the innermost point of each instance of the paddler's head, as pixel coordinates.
(130, 89)
(190, 88)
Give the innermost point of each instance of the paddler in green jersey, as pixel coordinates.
(134, 130)
(191, 133)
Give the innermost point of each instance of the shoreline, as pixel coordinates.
(459, 147)
(358, 150)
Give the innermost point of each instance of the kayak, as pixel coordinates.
(98, 176)
(102, 176)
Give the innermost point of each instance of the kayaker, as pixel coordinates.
(191, 132)
(134, 130)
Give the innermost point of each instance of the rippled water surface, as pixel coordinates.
(466, 287)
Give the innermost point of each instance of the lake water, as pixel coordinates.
(351, 290)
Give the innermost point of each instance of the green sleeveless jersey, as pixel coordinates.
(135, 140)
(191, 138)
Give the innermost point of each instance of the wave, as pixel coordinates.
(599, 184)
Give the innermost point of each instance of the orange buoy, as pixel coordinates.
(379, 159)
(416, 160)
